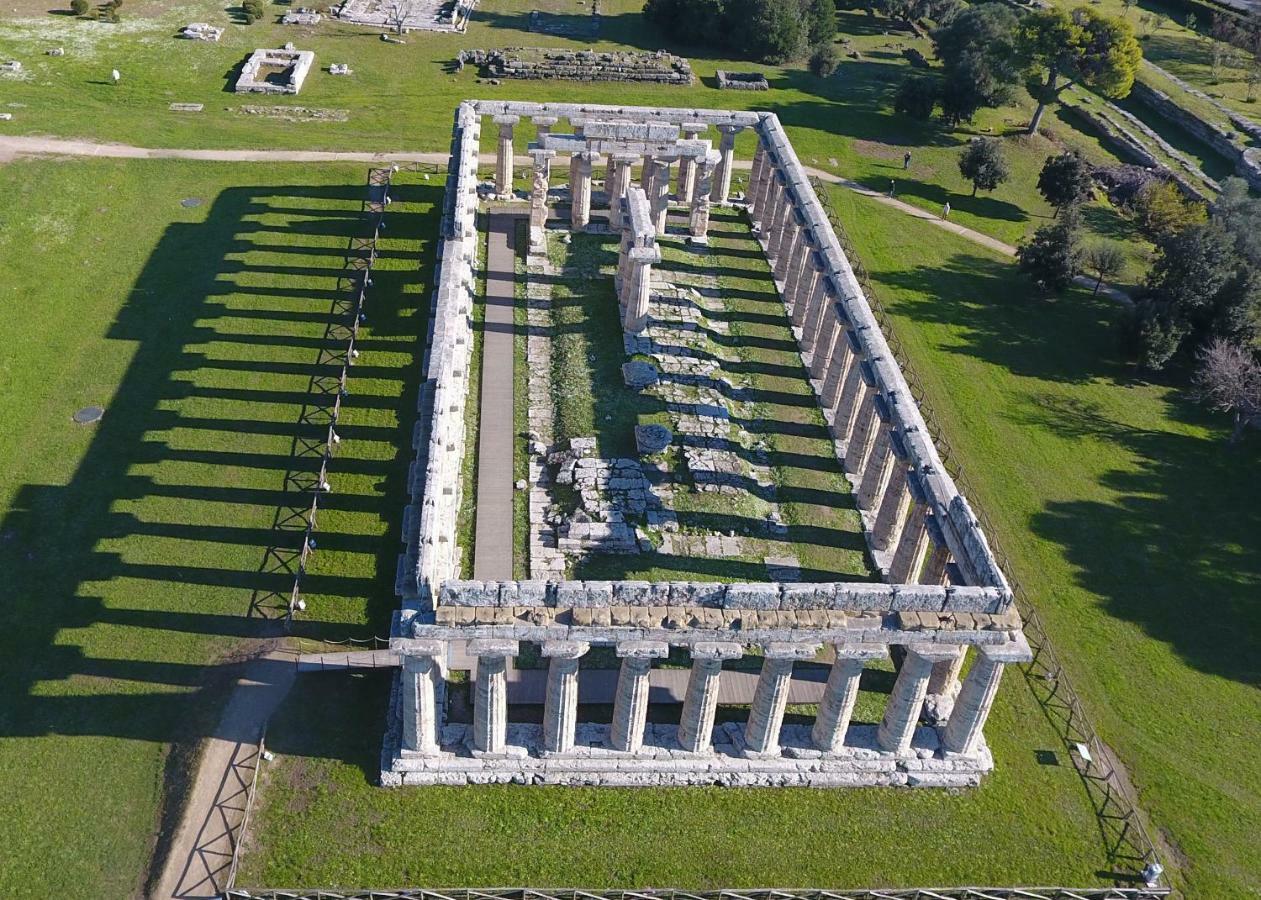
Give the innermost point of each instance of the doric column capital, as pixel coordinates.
(932, 653)
(719, 650)
(862, 651)
(506, 122)
(480, 647)
(544, 121)
(692, 129)
(643, 650)
(565, 649)
(790, 650)
(415, 648)
(1016, 650)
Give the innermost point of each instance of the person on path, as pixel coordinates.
(906, 160)
(891, 186)
(945, 210)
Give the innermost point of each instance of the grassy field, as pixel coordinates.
(1126, 516)
(132, 549)
(402, 97)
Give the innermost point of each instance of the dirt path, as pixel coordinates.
(201, 854)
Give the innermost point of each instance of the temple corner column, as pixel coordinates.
(422, 664)
(965, 728)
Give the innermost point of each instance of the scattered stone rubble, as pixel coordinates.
(578, 65)
(275, 71)
(12, 67)
(303, 15)
(408, 15)
(201, 31)
(741, 81)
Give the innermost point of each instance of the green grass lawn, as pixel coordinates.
(1127, 518)
(322, 821)
(132, 548)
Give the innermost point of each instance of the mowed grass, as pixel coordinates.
(322, 821)
(1127, 518)
(132, 549)
(403, 98)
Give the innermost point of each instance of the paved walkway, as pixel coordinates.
(201, 854)
(492, 548)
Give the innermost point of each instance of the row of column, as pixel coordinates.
(422, 675)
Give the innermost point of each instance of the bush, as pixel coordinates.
(253, 10)
(1052, 257)
(983, 164)
(79, 7)
(916, 97)
(1161, 210)
(1065, 180)
(823, 61)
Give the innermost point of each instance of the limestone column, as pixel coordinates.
(788, 250)
(538, 200)
(630, 703)
(560, 704)
(934, 571)
(619, 180)
(972, 707)
(776, 201)
(817, 312)
(580, 166)
(798, 285)
(901, 714)
(490, 696)
(757, 184)
(943, 687)
(503, 158)
(893, 500)
(700, 704)
(824, 354)
(878, 460)
(727, 149)
(660, 195)
(698, 221)
(840, 694)
(422, 673)
(685, 186)
(851, 396)
(770, 698)
(838, 365)
(784, 228)
(640, 291)
(910, 547)
(543, 127)
(647, 173)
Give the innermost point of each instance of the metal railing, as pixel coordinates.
(956, 893)
(1125, 838)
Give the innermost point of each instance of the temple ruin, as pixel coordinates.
(943, 609)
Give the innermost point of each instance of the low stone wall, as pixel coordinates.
(581, 65)
(253, 77)
(1215, 136)
(432, 555)
(741, 81)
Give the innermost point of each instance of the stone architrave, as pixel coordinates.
(560, 703)
(840, 694)
(630, 703)
(727, 148)
(972, 707)
(490, 695)
(422, 719)
(770, 697)
(698, 220)
(685, 186)
(503, 156)
(901, 713)
(700, 704)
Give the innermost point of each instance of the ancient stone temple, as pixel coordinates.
(943, 611)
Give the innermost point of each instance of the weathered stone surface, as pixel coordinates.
(639, 375)
(651, 439)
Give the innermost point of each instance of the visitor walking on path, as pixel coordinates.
(945, 210)
(906, 160)
(891, 186)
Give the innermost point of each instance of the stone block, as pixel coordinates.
(752, 596)
(632, 593)
(865, 597)
(599, 593)
(571, 594)
(532, 593)
(926, 597)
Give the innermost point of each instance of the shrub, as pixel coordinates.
(1161, 210)
(983, 164)
(1052, 257)
(823, 60)
(916, 97)
(79, 7)
(253, 10)
(1105, 259)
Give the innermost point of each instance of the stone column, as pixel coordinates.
(851, 396)
(798, 285)
(538, 200)
(490, 697)
(831, 338)
(770, 698)
(757, 184)
(580, 166)
(647, 173)
(776, 201)
(817, 310)
(972, 707)
(698, 221)
(543, 127)
(878, 460)
(619, 180)
(700, 704)
(630, 703)
(727, 148)
(784, 228)
(910, 547)
(640, 291)
(560, 704)
(893, 500)
(901, 714)
(934, 571)
(943, 687)
(685, 186)
(788, 250)
(503, 159)
(422, 718)
(840, 694)
(838, 365)
(660, 195)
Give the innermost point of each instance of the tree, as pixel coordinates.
(820, 16)
(768, 30)
(823, 60)
(916, 97)
(1106, 259)
(1161, 210)
(1065, 180)
(1061, 48)
(1052, 257)
(983, 164)
(909, 11)
(1228, 379)
(253, 10)
(977, 47)
(690, 21)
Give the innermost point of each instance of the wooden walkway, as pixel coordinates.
(492, 547)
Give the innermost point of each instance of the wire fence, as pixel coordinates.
(1126, 840)
(958, 893)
